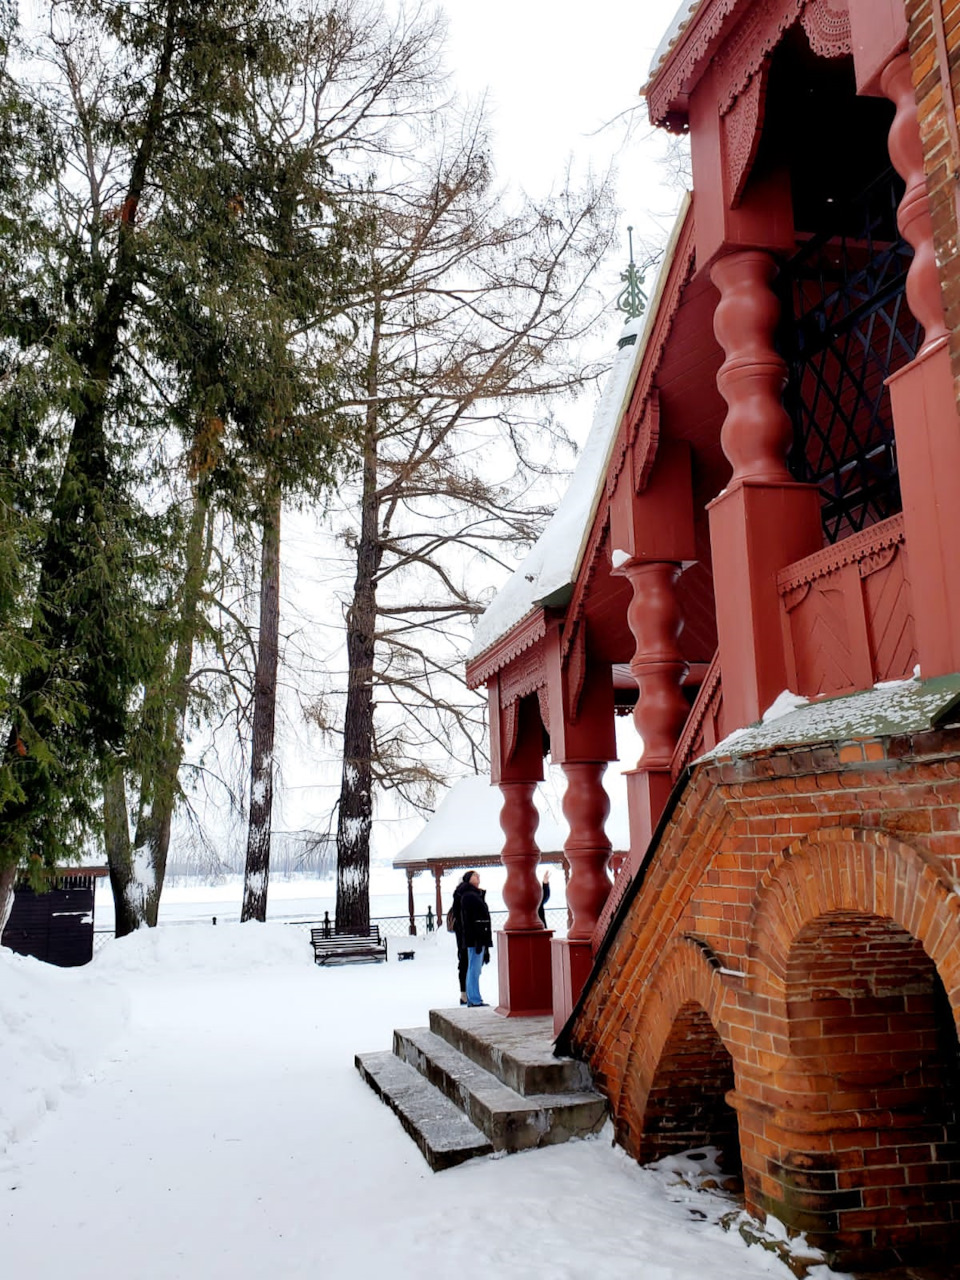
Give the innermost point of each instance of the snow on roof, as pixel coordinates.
(467, 821)
(554, 560)
(672, 34)
(892, 707)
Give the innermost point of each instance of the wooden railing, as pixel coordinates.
(847, 613)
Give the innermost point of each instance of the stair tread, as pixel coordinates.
(487, 1088)
(518, 1050)
(441, 1130)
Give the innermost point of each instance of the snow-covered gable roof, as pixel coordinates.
(673, 33)
(554, 560)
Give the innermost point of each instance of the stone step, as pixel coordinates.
(512, 1121)
(442, 1132)
(519, 1051)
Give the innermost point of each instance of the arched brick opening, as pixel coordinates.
(875, 1070)
(686, 1105)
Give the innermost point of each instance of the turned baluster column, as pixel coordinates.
(923, 399)
(521, 891)
(585, 807)
(658, 667)
(763, 520)
(913, 215)
(757, 431)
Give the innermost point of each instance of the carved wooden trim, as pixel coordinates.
(543, 698)
(742, 127)
(511, 725)
(855, 550)
(645, 445)
(574, 614)
(827, 28)
(750, 44)
(575, 661)
(705, 699)
(878, 560)
(523, 676)
(526, 633)
(738, 57)
(694, 45)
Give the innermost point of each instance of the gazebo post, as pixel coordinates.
(412, 930)
(437, 875)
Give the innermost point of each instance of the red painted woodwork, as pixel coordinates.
(524, 972)
(571, 963)
(847, 614)
(913, 216)
(657, 665)
(764, 520)
(757, 431)
(928, 451)
(704, 726)
(735, 209)
(585, 807)
(879, 30)
(519, 820)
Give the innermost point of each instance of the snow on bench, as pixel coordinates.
(347, 948)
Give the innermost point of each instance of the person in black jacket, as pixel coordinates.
(458, 893)
(477, 937)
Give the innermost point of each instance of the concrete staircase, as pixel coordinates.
(473, 1083)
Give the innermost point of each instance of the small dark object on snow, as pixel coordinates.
(406, 955)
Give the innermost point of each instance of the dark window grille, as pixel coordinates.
(846, 327)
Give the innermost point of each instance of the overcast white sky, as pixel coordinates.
(555, 73)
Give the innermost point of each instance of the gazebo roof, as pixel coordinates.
(465, 830)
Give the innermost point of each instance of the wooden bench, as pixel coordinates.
(347, 948)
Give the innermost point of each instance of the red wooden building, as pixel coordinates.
(777, 966)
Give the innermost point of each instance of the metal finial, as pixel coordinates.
(631, 301)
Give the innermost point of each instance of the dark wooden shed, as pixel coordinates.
(55, 926)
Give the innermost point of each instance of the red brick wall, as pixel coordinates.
(803, 905)
(940, 158)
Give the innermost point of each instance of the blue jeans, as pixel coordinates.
(474, 965)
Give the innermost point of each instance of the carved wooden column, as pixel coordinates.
(925, 417)
(763, 520)
(523, 945)
(585, 807)
(658, 667)
(582, 741)
(913, 215)
(519, 820)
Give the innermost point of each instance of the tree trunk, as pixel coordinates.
(129, 893)
(8, 878)
(158, 791)
(257, 871)
(355, 810)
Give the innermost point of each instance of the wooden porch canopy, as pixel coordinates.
(740, 521)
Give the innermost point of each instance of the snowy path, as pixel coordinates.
(227, 1133)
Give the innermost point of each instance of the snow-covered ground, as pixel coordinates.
(187, 1106)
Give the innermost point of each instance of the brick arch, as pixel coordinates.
(859, 870)
(680, 1027)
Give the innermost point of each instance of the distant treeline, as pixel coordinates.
(312, 854)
